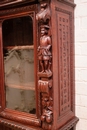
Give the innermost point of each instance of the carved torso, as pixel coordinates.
(45, 41)
(45, 44)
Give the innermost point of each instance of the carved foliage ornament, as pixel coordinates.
(44, 14)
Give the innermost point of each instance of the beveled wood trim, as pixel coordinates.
(70, 124)
(67, 2)
(14, 12)
(16, 2)
(15, 125)
(2, 98)
(13, 115)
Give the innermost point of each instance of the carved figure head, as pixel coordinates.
(44, 29)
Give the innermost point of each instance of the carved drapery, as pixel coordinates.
(45, 66)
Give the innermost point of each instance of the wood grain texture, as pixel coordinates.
(53, 37)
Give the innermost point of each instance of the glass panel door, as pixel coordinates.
(18, 52)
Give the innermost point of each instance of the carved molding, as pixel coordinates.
(18, 10)
(68, 2)
(31, 121)
(70, 124)
(64, 11)
(6, 3)
(13, 125)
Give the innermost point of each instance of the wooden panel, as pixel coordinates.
(64, 61)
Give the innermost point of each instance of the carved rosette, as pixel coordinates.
(45, 66)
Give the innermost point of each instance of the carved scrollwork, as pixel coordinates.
(44, 86)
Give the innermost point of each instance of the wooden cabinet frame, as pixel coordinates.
(6, 113)
(53, 33)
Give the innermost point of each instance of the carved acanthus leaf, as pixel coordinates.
(44, 14)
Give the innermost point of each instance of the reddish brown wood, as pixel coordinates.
(45, 66)
(53, 38)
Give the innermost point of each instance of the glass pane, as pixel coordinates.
(18, 54)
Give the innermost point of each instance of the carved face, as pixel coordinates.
(43, 31)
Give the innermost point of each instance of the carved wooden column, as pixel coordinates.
(45, 66)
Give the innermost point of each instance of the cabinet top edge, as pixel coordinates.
(68, 2)
(12, 3)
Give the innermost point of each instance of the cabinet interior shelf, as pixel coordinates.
(30, 86)
(31, 47)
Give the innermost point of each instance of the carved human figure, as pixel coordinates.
(44, 53)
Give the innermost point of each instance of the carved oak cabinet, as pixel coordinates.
(37, 89)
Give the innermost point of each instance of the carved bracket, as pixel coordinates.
(44, 86)
(44, 14)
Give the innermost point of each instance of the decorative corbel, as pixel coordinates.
(44, 14)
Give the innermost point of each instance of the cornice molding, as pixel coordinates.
(15, 2)
(70, 3)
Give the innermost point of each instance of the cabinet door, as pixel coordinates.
(18, 83)
(18, 55)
